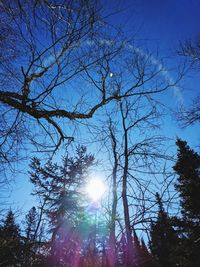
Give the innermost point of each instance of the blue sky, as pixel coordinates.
(159, 25)
(164, 21)
(162, 25)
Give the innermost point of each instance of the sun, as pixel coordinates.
(95, 189)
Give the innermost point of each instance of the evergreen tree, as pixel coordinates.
(163, 238)
(146, 259)
(187, 168)
(32, 240)
(60, 188)
(141, 255)
(11, 247)
(138, 257)
(31, 224)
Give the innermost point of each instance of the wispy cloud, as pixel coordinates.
(164, 72)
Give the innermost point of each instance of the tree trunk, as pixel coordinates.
(129, 260)
(112, 239)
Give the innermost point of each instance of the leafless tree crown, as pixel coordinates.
(61, 63)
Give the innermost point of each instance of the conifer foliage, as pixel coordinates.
(163, 237)
(10, 242)
(175, 241)
(61, 188)
(75, 238)
(187, 168)
(32, 239)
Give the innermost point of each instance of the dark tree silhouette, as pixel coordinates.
(141, 255)
(188, 183)
(11, 245)
(163, 238)
(31, 224)
(187, 168)
(33, 245)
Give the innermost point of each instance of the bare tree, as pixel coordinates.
(136, 154)
(191, 115)
(113, 202)
(191, 51)
(61, 71)
(52, 49)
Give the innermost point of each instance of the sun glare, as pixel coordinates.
(95, 188)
